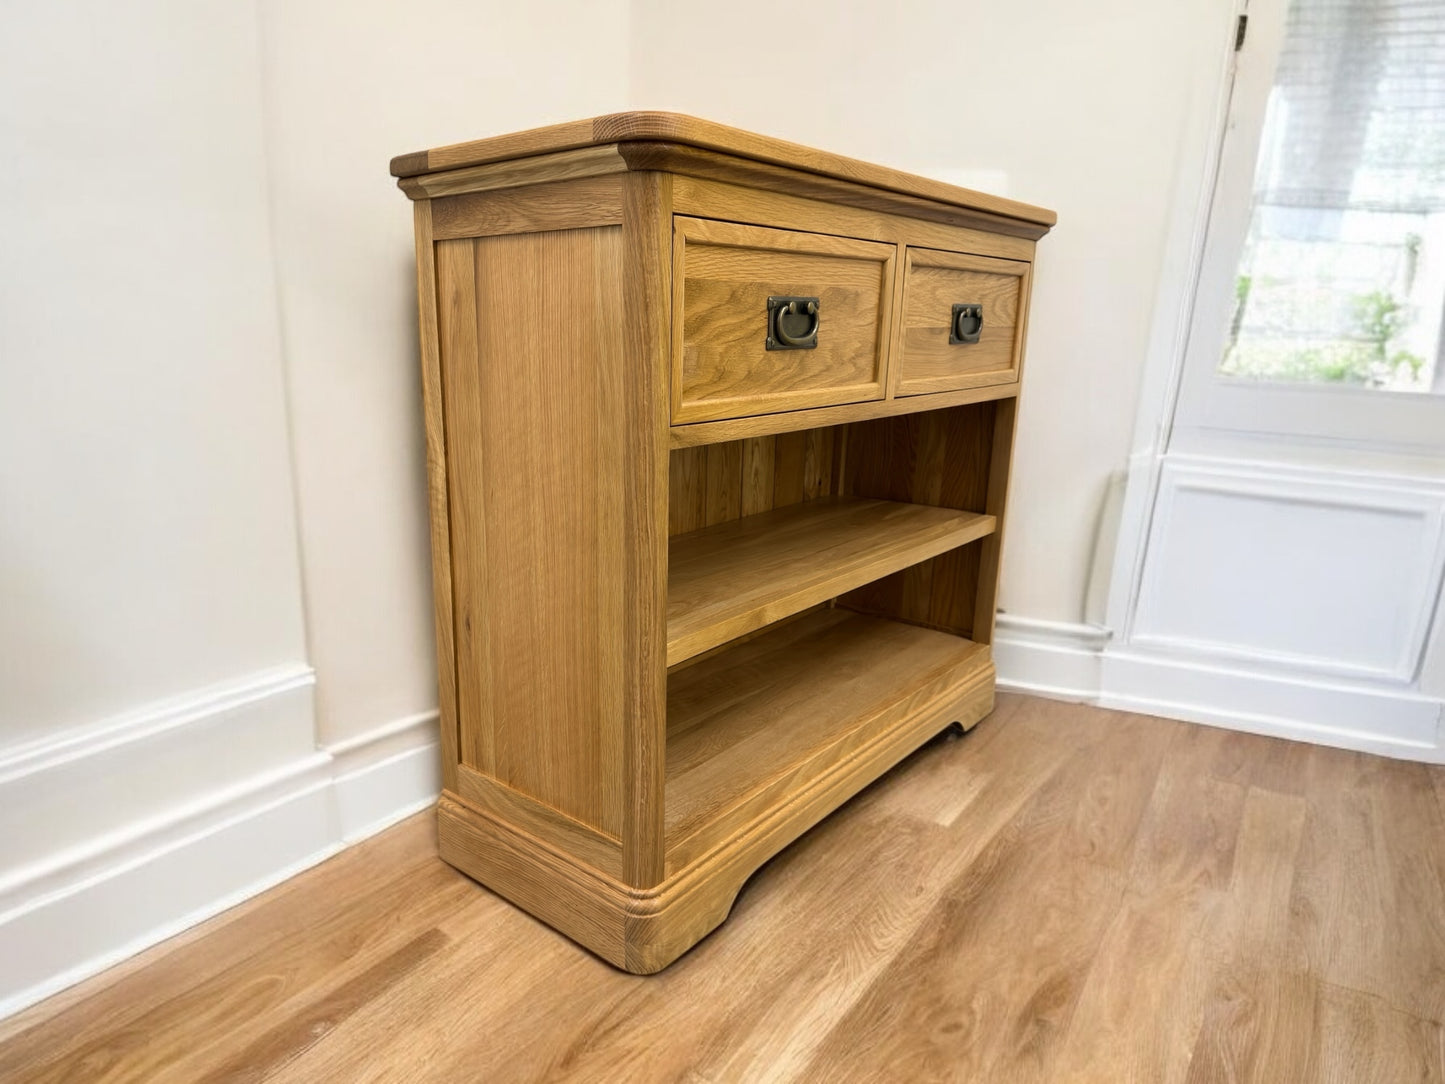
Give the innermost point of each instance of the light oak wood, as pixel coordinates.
(518, 172)
(563, 205)
(689, 161)
(632, 497)
(534, 364)
(549, 825)
(647, 318)
(708, 165)
(750, 727)
(436, 484)
(659, 127)
(737, 576)
(701, 198)
(715, 483)
(1066, 894)
(944, 458)
(723, 275)
(933, 282)
(990, 553)
(734, 819)
(702, 433)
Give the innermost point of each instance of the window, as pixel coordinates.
(1341, 279)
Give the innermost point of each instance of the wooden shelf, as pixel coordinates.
(751, 727)
(731, 579)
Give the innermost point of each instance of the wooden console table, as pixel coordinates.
(718, 442)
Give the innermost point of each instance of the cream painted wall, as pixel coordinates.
(347, 87)
(1079, 107)
(147, 533)
(146, 443)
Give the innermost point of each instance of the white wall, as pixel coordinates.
(147, 532)
(1078, 107)
(1277, 570)
(348, 86)
(193, 192)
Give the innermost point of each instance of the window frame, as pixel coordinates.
(1214, 411)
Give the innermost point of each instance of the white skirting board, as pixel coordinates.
(1079, 663)
(117, 836)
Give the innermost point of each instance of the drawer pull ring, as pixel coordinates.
(792, 323)
(966, 325)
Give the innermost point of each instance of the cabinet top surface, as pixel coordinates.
(655, 127)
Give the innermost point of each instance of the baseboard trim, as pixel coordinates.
(150, 721)
(377, 795)
(97, 789)
(1080, 663)
(185, 855)
(57, 940)
(1053, 659)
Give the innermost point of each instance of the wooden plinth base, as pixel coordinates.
(644, 930)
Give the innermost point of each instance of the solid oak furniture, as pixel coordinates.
(718, 441)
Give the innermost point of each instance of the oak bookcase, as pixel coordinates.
(718, 443)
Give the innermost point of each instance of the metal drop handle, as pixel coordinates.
(966, 324)
(792, 323)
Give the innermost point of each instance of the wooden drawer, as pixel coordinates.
(723, 276)
(930, 357)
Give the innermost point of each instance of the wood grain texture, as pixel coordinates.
(562, 205)
(933, 282)
(681, 160)
(550, 826)
(765, 425)
(677, 128)
(990, 552)
(436, 485)
(738, 790)
(729, 579)
(1067, 894)
(723, 275)
(544, 567)
(643, 466)
(695, 162)
(750, 726)
(518, 172)
(944, 458)
(715, 483)
(700, 198)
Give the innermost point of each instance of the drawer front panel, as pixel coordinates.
(962, 321)
(723, 277)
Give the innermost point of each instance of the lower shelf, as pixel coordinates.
(765, 739)
(753, 727)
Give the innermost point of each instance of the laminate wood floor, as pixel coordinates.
(1066, 894)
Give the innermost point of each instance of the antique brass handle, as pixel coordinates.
(792, 323)
(966, 324)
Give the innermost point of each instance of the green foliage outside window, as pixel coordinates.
(1360, 355)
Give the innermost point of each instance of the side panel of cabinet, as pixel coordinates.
(540, 452)
(436, 484)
